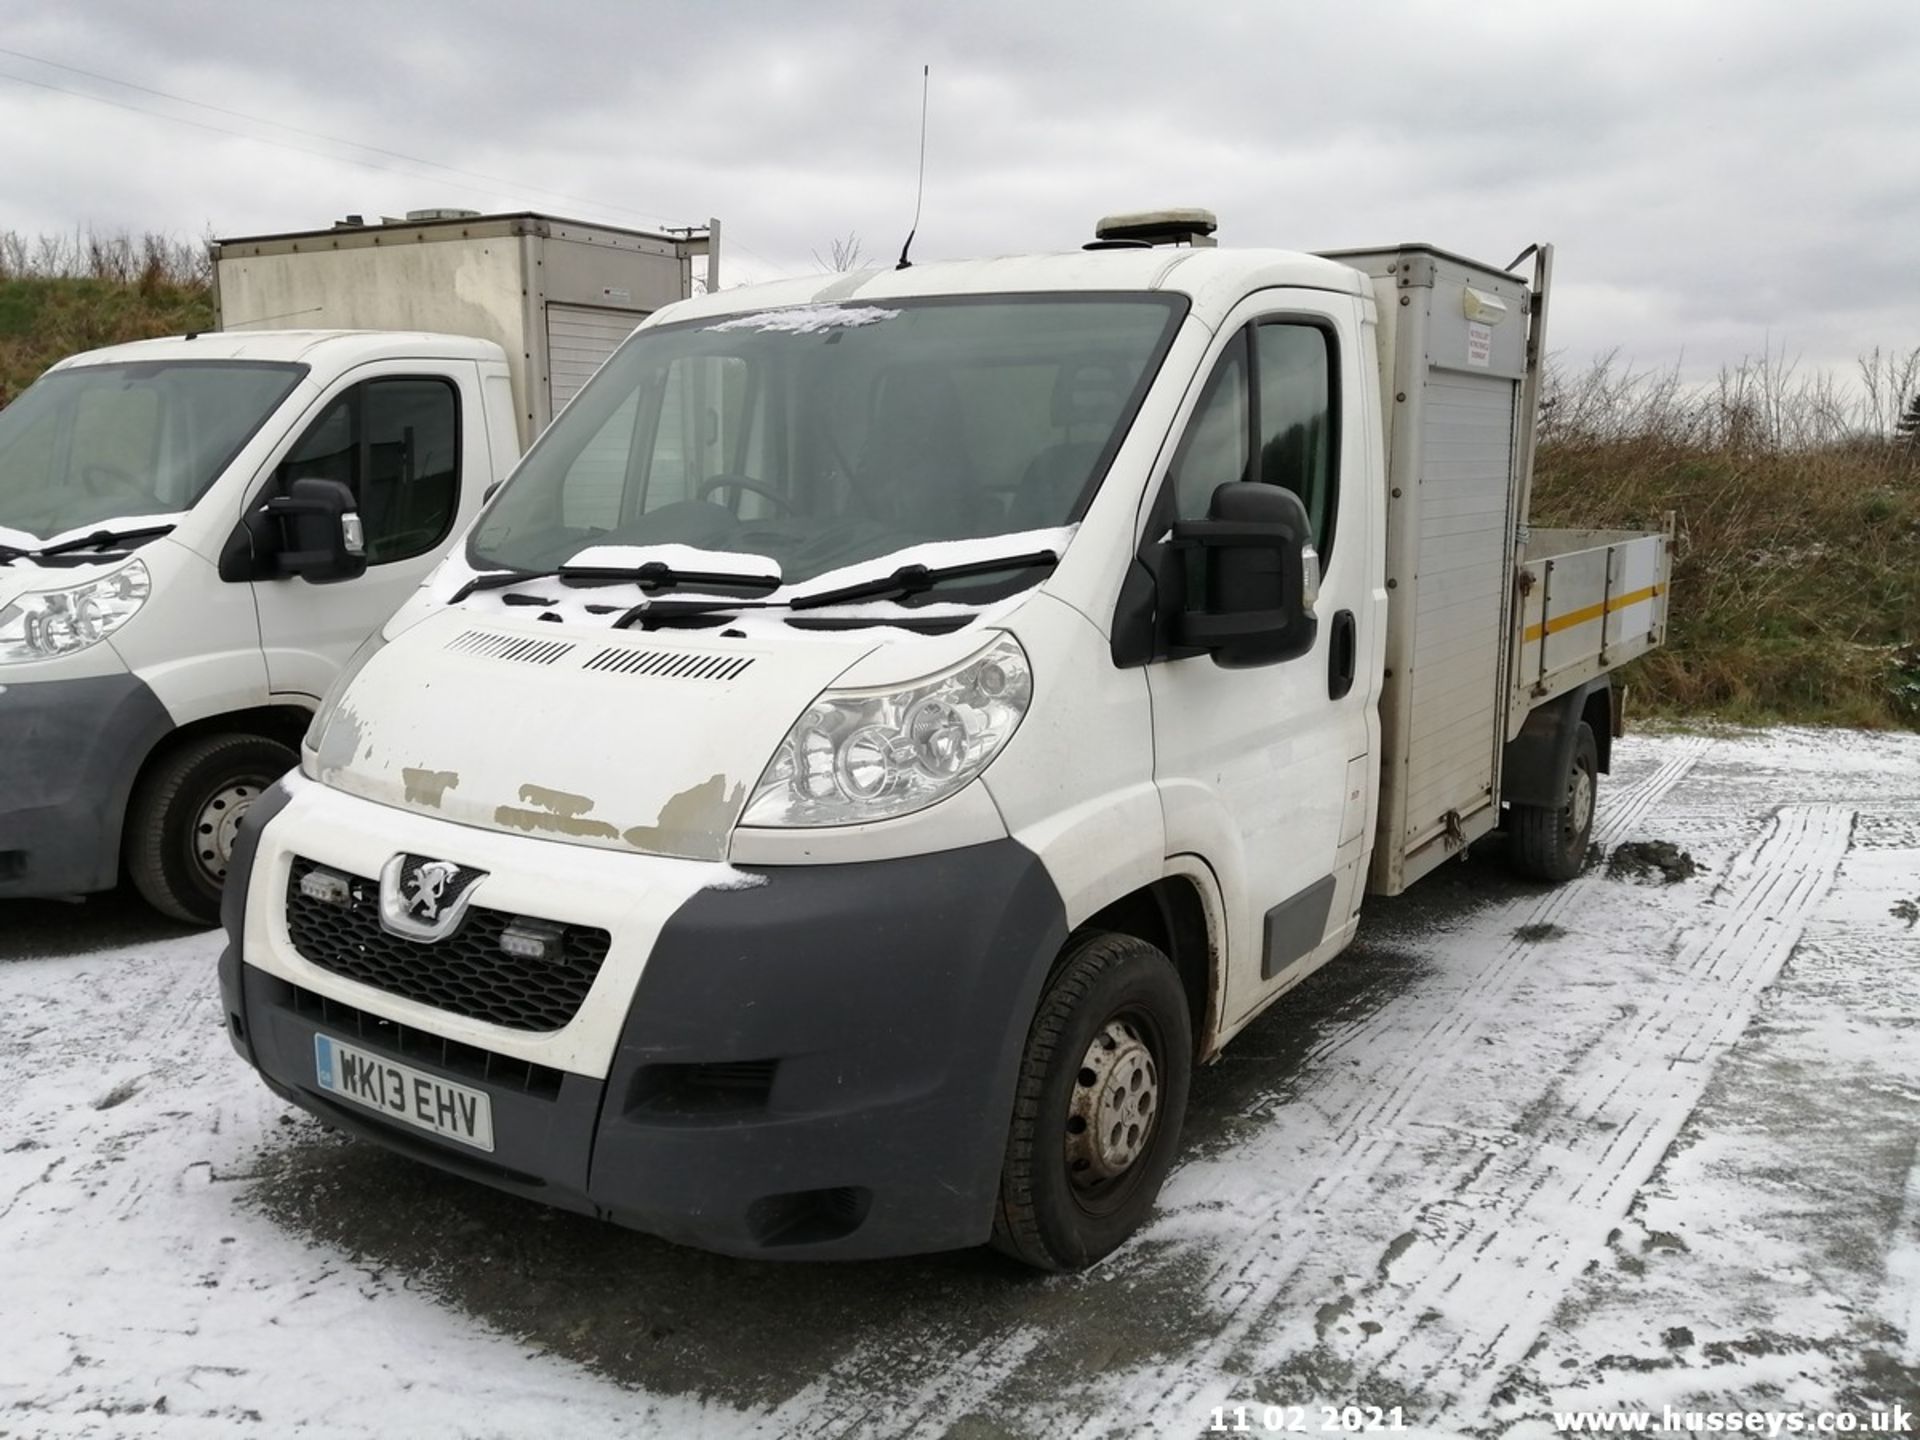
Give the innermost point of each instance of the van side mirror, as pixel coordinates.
(1261, 576)
(322, 537)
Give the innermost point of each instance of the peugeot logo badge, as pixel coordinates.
(424, 899)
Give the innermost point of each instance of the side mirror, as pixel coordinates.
(322, 537)
(1262, 577)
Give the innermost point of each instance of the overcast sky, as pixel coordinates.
(1719, 178)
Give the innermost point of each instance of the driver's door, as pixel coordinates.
(1262, 770)
(409, 439)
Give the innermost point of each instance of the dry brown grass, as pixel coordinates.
(1797, 569)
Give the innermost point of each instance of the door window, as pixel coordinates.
(1293, 365)
(396, 444)
(1214, 452)
(1283, 403)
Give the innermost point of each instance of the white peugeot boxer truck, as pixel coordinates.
(165, 632)
(892, 726)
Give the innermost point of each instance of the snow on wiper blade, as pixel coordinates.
(98, 540)
(913, 579)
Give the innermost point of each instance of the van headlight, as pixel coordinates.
(860, 755)
(45, 623)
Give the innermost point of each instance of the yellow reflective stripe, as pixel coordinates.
(1588, 614)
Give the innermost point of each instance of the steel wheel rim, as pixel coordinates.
(217, 825)
(1580, 800)
(1113, 1109)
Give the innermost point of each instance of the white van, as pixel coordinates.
(162, 638)
(162, 645)
(893, 725)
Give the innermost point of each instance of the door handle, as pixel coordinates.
(1343, 651)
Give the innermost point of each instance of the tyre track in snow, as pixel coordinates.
(1496, 1203)
(1539, 1209)
(1615, 823)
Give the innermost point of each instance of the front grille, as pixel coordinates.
(465, 974)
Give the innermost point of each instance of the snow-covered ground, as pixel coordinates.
(1614, 1145)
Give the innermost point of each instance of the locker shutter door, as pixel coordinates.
(578, 339)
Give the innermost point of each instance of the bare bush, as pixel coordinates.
(1764, 405)
(122, 258)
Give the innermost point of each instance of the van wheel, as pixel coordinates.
(1096, 1114)
(185, 812)
(1552, 844)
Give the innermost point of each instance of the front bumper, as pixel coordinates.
(819, 1066)
(69, 753)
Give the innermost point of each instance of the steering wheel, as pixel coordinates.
(103, 479)
(742, 482)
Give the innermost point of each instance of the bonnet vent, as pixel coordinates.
(668, 664)
(509, 647)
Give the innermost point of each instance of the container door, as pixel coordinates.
(408, 438)
(578, 341)
(1254, 765)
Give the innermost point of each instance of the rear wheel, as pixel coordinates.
(1096, 1116)
(1551, 844)
(185, 813)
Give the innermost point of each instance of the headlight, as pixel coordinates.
(860, 755)
(44, 623)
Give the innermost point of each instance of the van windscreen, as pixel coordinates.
(98, 443)
(821, 436)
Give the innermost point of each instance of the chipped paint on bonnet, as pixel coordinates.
(428, 788)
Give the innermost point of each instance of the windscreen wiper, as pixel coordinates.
(913, 579)
(98, 540)
(654, 575)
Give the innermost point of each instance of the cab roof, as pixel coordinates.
(339, 348)
(1213, 279)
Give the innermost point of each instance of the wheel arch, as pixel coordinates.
(1180, 914)
(1533, 768)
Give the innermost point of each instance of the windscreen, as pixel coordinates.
(102, 443)
(822, 436)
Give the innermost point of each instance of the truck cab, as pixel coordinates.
(163, 642)
(926, 713)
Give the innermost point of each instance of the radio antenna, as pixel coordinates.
(920, 190)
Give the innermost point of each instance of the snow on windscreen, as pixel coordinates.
(808, 319)
(676, 557)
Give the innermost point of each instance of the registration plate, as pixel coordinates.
(403, 1093)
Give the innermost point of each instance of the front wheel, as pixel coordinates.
(185, 813)
(1551, 844)
(1096, 1115)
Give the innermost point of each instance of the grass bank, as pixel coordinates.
(61, 295)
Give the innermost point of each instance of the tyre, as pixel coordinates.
(1552, 844)
(1097, 1110)
(184, 814)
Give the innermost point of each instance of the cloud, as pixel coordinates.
(1719, 177)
